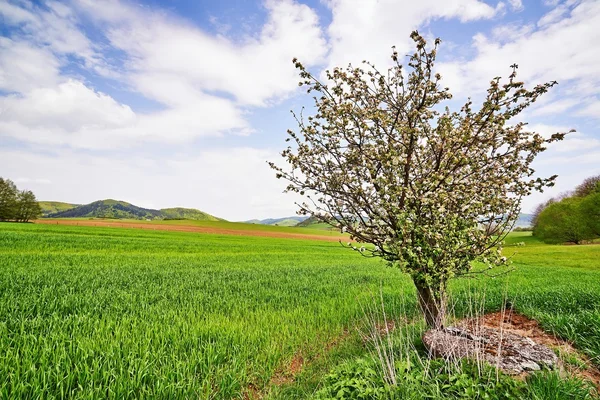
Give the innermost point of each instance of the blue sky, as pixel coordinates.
(182, 102)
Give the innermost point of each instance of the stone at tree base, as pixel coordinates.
(512, 353)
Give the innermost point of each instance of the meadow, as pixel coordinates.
(90, 312)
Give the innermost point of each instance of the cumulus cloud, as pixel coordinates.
(204, 82)
(516, 5)
(565, 49)
(25, 67)
(51, 25)
(165, 50)
(73, 114)
(368, 29)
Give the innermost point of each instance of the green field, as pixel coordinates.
(314, 229)
(126, 313)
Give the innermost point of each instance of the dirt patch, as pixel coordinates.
(513, 322)
(192, 228)
(287, 375)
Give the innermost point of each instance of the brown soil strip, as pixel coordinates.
(192, 228)
(519, 324)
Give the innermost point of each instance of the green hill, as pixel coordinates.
(51, 207)
(116, 209)
(309, 221)
(285, 221)
(187, 213)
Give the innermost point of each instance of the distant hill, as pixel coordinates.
(309, 221)
(122, 210)
(51, 207)
(285, 221)
(187, 213)
(524, 221)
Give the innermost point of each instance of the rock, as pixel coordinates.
(512, 353)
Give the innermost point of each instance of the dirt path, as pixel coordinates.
(191, 228)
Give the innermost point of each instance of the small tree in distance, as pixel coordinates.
(15, 205)
(28, 207)
(427, 189)
(8, 199)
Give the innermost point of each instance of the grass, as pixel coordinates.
(50, 207)
(89, 312)
(316, 229)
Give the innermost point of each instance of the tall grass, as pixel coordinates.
(109, 312)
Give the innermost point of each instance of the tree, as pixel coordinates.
(590, 212)
(588, 186)
(564, 221)
(575, 219)
(8, 199)
(28, 207)
(413, 182)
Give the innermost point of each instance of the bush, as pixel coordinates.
(565, 221)
(422, 378)
(590, 210)
(435, 379)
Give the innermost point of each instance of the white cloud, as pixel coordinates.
(204, 82)
(19, 181)
(549, 106)
(53, 25)
(566, 50)
(553, 16)
(511, 32)
(166, 51)
(516, 5)
(592, 109)
(232, 183)
(578, 142)
(25, 67)
(75, 115)
(368, 29)
(70, 106)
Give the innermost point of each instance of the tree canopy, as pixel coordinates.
(574, 218)
(428, 189)
(15, 205)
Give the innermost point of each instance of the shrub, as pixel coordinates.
(563, 222)
(419, 379)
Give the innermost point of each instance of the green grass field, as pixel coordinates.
(314, 229)
(90, 312)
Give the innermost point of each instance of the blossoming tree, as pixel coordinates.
(428, 189)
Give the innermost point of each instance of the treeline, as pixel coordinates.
(572, 217)
(17, 205)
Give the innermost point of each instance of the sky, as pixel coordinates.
(182, 102)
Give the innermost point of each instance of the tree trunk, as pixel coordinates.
(432, 300)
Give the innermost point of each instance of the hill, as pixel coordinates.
(285, 221)
(187, 213)
(524, 221)
(116, 209)
(309, 221)
(51, 207)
